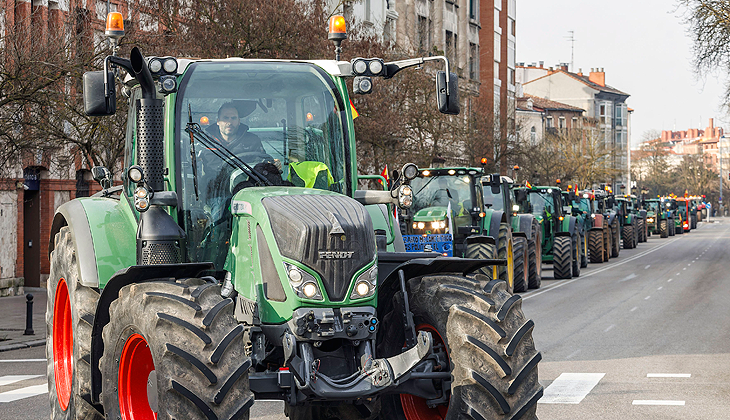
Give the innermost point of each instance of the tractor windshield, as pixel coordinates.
(442, 190)
(652, 206)
(493, 201)
(283, 119)
(542, 202)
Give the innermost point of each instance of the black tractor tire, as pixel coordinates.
(480, 251)
(489, 343)
(535, 256)
(584, 254)
(562, 257)
(577, 251)
(663, 230)
(504, 242)
(181, 341)
(640, 226)
(534, 279)
(628, 235)
(680, 229)
(616, 239)
(607, 243)
(672, 228)
(519, 249)
(595, 245)
(69, 318)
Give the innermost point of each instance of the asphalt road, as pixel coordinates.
(644, 336)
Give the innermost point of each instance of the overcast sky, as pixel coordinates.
(643, 47)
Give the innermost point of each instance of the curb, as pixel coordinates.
(25, 345)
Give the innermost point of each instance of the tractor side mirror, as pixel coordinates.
(448, 101)
(97, 103)
(495, 183)
(102, 175)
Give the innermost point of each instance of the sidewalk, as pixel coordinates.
(12, 320)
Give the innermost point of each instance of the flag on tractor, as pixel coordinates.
(384, 174)
(528, 185)
(355, 114)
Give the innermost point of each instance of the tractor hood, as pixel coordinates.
(430, 214)
(329, 233)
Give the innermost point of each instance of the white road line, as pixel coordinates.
(677, 273)
(607, 267)
(647, 298)
(629, 277)
(660, 287)
(670, 280)
(657, 402)
(572, 355)
(647, 267)
(684, 268)
(668, 375)
(20, 393)
(610, 327)
(22, 360)
(570, 388)
(10, 379)
(634, 308)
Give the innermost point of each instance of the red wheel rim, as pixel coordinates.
(135, 365)
(415, 408)
(63, 344)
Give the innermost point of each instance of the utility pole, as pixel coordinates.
(721, 175)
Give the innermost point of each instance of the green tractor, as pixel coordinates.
(499, 196)
(629, 229)
(658, 218)
(215, 276)
(449, 216)
(600, 238)
(578, 207)
(635, 207)
(561, 242)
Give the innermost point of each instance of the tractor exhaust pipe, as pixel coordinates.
(159, 239)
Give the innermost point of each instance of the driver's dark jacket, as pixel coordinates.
(245, 141)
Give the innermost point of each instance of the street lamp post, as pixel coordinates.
(720, 151)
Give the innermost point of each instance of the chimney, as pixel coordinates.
(542, 63)
(564, 66)
(597, 77)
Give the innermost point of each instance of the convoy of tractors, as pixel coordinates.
(219, 273)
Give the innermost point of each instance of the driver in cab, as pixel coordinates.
(232, 134)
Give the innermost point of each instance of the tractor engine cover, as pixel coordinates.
(331, 234)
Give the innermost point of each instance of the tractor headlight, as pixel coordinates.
(304, 284)
(405, 196)
(366, 283)
(421, 225)
(650, 220)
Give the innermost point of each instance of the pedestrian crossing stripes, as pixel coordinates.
(23, 392)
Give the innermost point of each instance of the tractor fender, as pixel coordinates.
(569, 226)
(611, 218)
(495, 219)
(104, 235)
(124, 277)
(597, 222)
(389, 283)
(525, 226)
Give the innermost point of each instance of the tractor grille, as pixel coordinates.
(331, 234)
(160, 253)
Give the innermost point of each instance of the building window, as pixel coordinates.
(424, 34)
(604, 113)
(473, 61)
(561, 122)
(451, 48)
(549, 122)
(533, 135)
(574, 123)
(473, 5)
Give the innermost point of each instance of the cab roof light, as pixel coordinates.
(114, 25)
(337, 33)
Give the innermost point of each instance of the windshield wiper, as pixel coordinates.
(192, 155)
(224, 154)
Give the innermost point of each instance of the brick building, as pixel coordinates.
(38, 185)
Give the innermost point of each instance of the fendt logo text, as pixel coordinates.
(335, 255)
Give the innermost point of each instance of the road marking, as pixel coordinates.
(629, 277)
(634, 308)
(610, 327)
(570, 388)
(647, 298)
(684, 268)
(660, 287)
(607, 267)
(22, 360)
(647, 267)
(20, 393)
(668, 375)
(669, 281)
(657, 402)
(572, 355)
(10, 379)
(677, 273)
